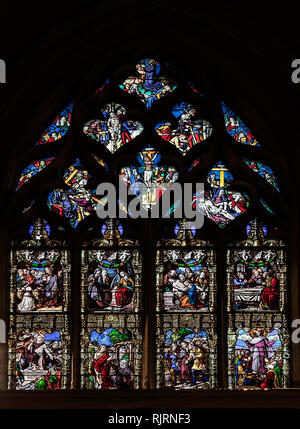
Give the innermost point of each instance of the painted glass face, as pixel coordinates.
(113, 130)
(149, 85)
(187, 130)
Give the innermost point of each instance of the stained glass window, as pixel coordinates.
(111, 352)
(263, 170)
(186, 351)
(221, 204)
(58, 127)
(101, 162)
(188, 280)
(111, 286)
(258, 331)
(258, 351)
(39, 338)
(149, 86)
(186, 323)
(221, 287)
(32, 169)
(113, 131)
(236, 127)
(76, 202)
(149, 180)
(265, 205)
(187, 131)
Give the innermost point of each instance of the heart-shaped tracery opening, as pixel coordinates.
(113, 131)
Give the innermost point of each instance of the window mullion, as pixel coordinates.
(221, 310)
(75, 314)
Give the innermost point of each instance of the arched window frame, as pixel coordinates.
(281, 222)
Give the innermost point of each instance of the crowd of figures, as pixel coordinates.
(113, 130)
(220, 203)
(186, 280)
(258, 359)
(255, 281)
(186, 359)
(111, 360)
(59, 127)
(149, 180)
(39, 281)
(32, 169)
(110, 280)
(188, 132)
(38, 360)
(237, 129)
(148, 86)
(76, 202)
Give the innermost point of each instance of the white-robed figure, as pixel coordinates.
(214, 212)
(260, 347)
(114, 128)
(179, 287)
(94, 284)
(28, 300)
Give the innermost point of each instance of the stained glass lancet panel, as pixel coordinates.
(186, 321)
(258, 355)
(258, 336)
(263, 170)
(39, 352)
(39, 338)
(111, 337)
(31, 170)
(186, 350)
